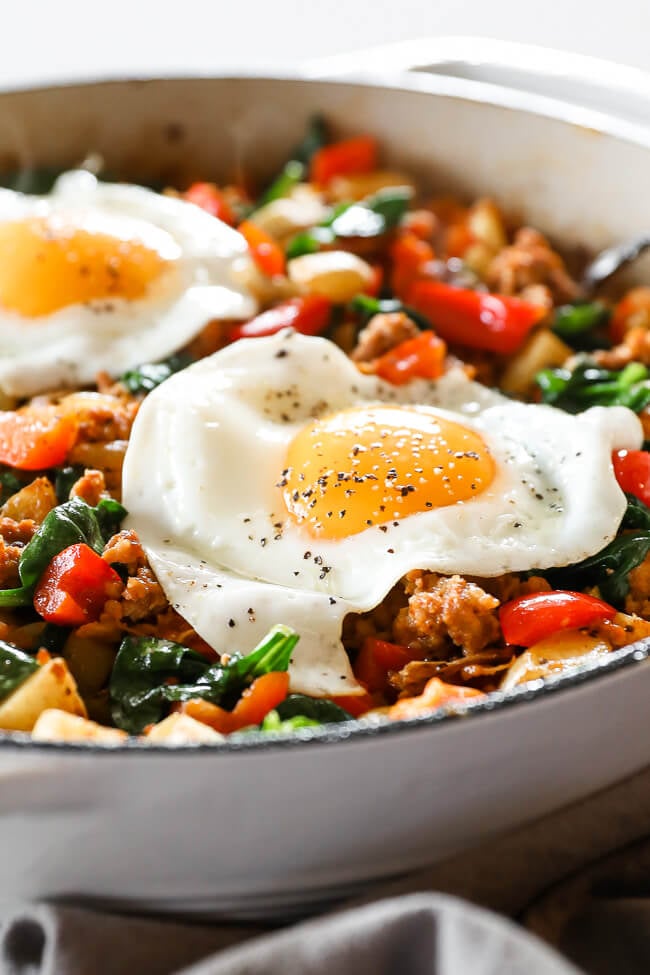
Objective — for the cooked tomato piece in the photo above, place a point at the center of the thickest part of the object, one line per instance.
(211, 199)
(36, 438)
(265, 251)
(527, 620)
(309, 315)
(75, 586)
(476, 319)
(357, 155)
(422, 357)
(262, 696)
(632, 470)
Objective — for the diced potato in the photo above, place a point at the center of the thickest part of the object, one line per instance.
(541, 350)
(287, 216)
(356, 186)
(51, 686)
(33, 501)
(478, 258)
(336, 275)
(56, 725)
(486, 224)
(180, 729)
(554, 655)
(268, 291)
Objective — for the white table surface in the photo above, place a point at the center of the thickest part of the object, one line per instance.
(51, 39)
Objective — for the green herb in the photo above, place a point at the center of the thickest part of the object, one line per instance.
(9, 484)
(273, 722)
(371, 217)
(319, 709)
(572, 320)
(366, 307)
(608, 569)
(315, 138)
(68, 524)
(146, 377)
(309, 242)
(390, 203)
(292, 174)
(589, 385)
(64, 479)
(15, 667)
(139, 688)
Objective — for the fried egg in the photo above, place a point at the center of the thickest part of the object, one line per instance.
(103, 277)
(272, 482)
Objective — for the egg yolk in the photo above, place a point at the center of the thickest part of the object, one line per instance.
(45, 266)
(363, 467)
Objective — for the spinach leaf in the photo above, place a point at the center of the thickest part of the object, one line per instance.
(315, 138)
(366, 307)
(64, 478)
(609, 569)
(319, 709)
(273, 722)
(589, 385)
(139, 686)
(53, 638)
(15, 667)
(68, 524)
(293, 173)
(146, 377)
(371, 217)
(637, 514)
(9, 484)
(109, 514)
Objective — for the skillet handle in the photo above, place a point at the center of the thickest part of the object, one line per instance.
(578, 80)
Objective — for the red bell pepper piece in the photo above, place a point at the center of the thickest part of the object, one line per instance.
(211, 199)
(529, 619)
(474, 318)
(420, 357)
(355, 704)
(36, 438)
(376, 659)
(358, 155)
(409, 255)
(75, 586)
(309, 315)
(436, 693)
(265, 251)
(632, 470)
(262, 696)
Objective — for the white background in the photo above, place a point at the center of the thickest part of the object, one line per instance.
(51, 39)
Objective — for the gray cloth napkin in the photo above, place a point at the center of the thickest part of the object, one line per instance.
(579, 879)
(422, 934)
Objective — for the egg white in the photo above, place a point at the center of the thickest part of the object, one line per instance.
(70, 346)
(201, 475)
